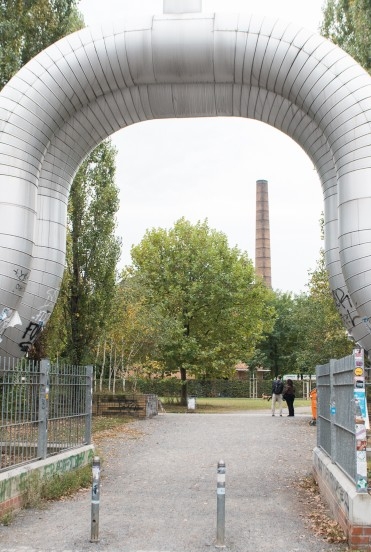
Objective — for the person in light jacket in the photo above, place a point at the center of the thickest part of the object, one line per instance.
(277, 389)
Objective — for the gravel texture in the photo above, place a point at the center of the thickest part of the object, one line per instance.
(158, 490)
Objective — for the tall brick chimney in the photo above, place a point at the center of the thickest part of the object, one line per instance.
(262, 233)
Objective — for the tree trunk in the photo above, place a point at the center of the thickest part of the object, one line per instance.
(103, 366)
(123, 372)
(110, 367)
(184, 394)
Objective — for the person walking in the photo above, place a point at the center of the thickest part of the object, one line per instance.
(289, 396)
(277, 389)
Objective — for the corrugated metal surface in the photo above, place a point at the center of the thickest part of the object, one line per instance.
(97, 81)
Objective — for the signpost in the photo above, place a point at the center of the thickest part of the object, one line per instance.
(361, 419)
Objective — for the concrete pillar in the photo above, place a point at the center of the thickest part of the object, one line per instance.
(262, 233)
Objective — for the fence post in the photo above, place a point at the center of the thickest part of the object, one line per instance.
(88, 403)
(42, 442)
(333, 411)
(95, 499)
(220, 513)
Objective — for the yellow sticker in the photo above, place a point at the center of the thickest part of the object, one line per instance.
(358, 371)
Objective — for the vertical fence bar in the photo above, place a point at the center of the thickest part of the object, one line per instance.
(88, 403)
(95, 499)
(333, 411)
(220, 512)
(42, 443)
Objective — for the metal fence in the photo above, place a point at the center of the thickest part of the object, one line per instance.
(252, 388)
(45, 409)
(336, 413)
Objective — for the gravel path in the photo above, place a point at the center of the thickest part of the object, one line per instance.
(158, 491)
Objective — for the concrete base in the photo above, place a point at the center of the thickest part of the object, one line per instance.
(350, 509)
(14, 481)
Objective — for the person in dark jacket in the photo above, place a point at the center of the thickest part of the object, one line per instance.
(289, 396)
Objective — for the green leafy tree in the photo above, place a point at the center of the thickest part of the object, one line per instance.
(27, 27)
(215, 308)
(277, 350)
(86, 298)
(135, 329)
(94, 251)
(321, 334)
(347, 23)
(308, 329)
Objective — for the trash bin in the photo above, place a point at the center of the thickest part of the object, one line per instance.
(191, 403)
(313, 397)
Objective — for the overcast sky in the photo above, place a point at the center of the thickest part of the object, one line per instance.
(207, 168)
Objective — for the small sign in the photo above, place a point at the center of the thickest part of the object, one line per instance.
(358, 371)
(191, 403)
(360, 397)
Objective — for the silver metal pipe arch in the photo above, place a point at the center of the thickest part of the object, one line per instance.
(94, 82)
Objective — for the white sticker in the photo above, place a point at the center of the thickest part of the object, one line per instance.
(220, 491)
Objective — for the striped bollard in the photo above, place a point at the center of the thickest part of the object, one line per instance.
(220, 512)
(95, 497)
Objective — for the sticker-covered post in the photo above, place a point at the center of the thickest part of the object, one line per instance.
(361, 419)
(220, 512)
(95, 499)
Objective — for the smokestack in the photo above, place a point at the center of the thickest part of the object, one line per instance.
(262, 234)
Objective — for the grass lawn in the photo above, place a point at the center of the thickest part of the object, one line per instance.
(209, 405)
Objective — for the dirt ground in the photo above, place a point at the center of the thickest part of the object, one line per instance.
(158, 490)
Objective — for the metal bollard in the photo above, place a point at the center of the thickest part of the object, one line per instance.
(220, 512)
(95, 494)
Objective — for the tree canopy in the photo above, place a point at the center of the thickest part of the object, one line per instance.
(277, 349)
(308, 329)
(87, 295)
(321, 333)
(347, 23)
(215, 306)
(27, 27)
